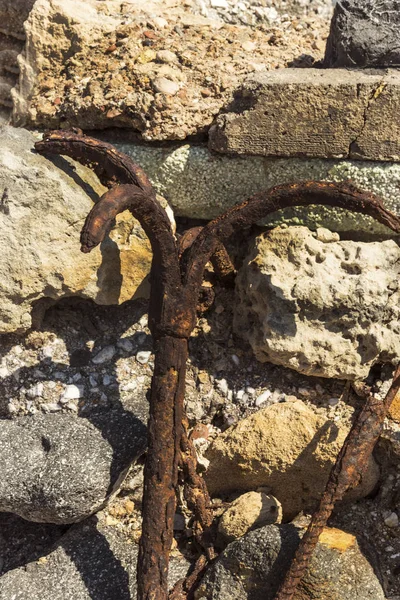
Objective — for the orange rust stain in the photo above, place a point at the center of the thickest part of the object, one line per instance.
(337, 539)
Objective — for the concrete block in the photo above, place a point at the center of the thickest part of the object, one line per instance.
(324, 113)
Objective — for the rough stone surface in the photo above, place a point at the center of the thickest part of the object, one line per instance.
(12, 16)
(286, 448)
(249, 511)
(22, 541)
(95, 65)
(202, 185)
(252, 568)
(13, 13)
(364, 33)
(42, 209)
(92, 561)
(313, 113)
(328, 309)
(61, 469)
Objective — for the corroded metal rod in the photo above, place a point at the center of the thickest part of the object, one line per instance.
(176, 278)
(347, 472)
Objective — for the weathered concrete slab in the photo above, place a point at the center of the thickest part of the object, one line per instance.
(314, 113)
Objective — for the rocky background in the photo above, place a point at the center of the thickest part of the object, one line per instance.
(268, 395)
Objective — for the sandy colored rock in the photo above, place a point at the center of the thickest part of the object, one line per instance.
(252, 568)
(314, 113)
(285, 447)
(96, 65)
(43, 207)
(249, 511)
(328, 309)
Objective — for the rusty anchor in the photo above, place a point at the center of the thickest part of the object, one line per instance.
(176, 279)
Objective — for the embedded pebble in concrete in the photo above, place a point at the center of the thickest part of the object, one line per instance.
(72, 392)
(105, 355)
(143, 356)
(223, 181)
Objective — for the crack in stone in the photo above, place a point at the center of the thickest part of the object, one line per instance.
(372, 98)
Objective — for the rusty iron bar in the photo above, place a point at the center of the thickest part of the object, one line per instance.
(176, 279)
(347, 472)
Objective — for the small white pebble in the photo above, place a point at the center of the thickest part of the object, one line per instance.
(160, 22)
(129, 387)
(235, 359)
(143, 321)
(166, 86)
(219, 4)
(4, 372)
(72, 406)
(47, 352)
(250, 390)
(392, 520)
(104, 355)
(263, 397)
(36, 391)
(166, 56)
(17, 350)
(143, 356)
(239, 394)
(222, 385)
(52, 407)
(71, 392)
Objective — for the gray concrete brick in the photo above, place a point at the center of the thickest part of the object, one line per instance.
(325, 113)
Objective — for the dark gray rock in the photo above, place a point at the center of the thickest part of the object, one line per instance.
(60, 468)
(364, 33)
(90, 562)
(252, 568)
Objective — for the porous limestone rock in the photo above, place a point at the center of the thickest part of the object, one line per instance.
(364, 33)
(58, 468)
(92, 560)
(286, 448)
(252, 568)
(43, 205)
(323, 308)
(249, 511)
